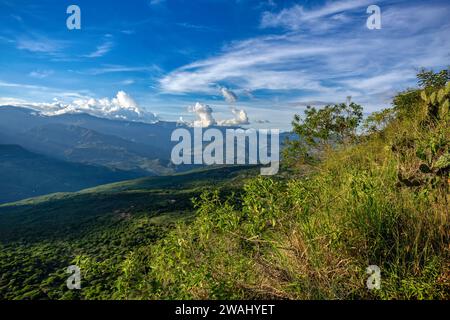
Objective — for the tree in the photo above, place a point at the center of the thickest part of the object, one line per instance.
(323, 128)
(377, 121)
(431, 79)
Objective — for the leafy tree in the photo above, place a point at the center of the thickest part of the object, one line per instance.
(321, 129)
(378, 121)
(429, 78)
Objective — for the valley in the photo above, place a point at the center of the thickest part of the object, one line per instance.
(41, 237)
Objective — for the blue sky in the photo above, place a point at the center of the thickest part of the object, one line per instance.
(274, 57)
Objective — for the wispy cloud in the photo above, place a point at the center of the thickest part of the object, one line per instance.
(121, 69)
(156, 2)
(22, 86)
(299, 17)
(127, 82)
(40, 74)
(196, 26)
(350, 61)
(44, 91)
(101, 50)
(263, 63)
(40, 44)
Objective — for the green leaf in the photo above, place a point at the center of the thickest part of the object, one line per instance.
(441, 95)
(424, 97)
(443, 162)
(433, 97)
(444, 109)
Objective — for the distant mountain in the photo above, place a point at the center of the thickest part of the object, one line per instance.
(77, 144)
(117, 150)
(83, 138)
(26, 174)
(87, 139)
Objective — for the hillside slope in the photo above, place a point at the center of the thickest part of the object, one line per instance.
(40, 237)
(25, 174)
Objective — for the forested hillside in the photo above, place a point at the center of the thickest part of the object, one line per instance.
(41, 237)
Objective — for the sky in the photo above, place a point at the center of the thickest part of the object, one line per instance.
(226, 62)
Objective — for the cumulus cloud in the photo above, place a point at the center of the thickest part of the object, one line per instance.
(121, 107)
(240, 118)
(204, 115)
(206, 119)
(228, 95)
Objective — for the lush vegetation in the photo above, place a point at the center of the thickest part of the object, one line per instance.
(41, 237)
(353, 193)
(379, 197)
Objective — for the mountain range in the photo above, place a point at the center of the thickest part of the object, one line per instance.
(42, 154)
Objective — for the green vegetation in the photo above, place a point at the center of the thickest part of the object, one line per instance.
(377, 198)
(25, 174)
(353, 193)
(41, 237)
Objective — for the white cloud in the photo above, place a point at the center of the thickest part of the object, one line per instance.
(228, 95)
(40, 44)
(121, 107)
(204, 115)
(380, 83)
(298, 17)
(9, 101)
(262, 63)
(240, 118)
(101, 50)
(127, 82)
(206, 119)
(156, 2)
(352, 61)
(22, 86)
(120, 69)
(40, 74)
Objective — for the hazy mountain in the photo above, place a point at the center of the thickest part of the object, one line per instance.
(26, 174)
(141, 149)
(84, 138)
(87, 139)
(77, 144)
